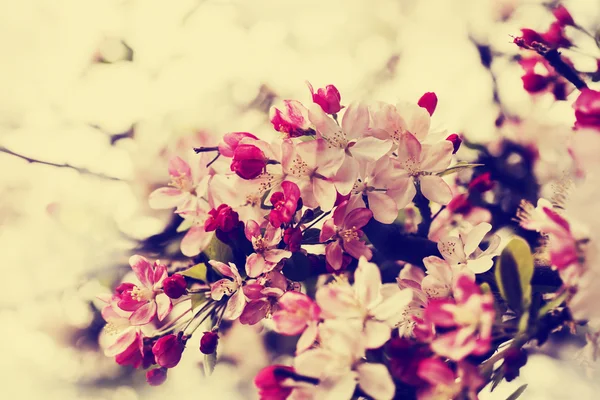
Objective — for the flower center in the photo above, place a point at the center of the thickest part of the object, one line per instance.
(349, 235)
(412, 166)
(181, 182)
(299, 168)
(260, 244)
(252, 200)
(141, 294)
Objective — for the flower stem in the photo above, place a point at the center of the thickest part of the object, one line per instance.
(319, 218)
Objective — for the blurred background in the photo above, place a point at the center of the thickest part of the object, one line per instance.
(98, 94)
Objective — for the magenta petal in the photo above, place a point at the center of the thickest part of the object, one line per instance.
(144, 314)
(121, 342)
(358, 218)
(142, 269)
(164, 306)
(254, 312)
(358, 248)
(333, 254)
(436, 372)
(327, 231)
(252, 230)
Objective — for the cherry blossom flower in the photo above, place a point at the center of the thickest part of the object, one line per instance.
(223, 218)
(338, 366)
(386, 188)
(284, 204)
(344, 230)
(231, 141)
(248, 161)
(228, 287)
(196, 238)
(350, 140)
(312, 166)
(410, 278)
(185, 185)
(266, 255)
(464, 251)
(273, 383)
(263, 294)
(156, 376)
(421, 163)
(443, 383)
(168, 350)
(441, 277)
(471, 314)
(389, 121)
(365, 302)
(146, 300)
(297, 314)
(328, 99)
(122, 339)
(293, 121)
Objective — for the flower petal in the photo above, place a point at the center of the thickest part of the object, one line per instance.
(376, 334)
(195, 240)
(164, 306)
(367, 282)
(167, 197)
(255, 265)
(475, 236)
(142, 269)
(435, 189)
(235, 306)
(144, 314)
(325, 193)
(375, 380)
(384, 208)
(333, 254)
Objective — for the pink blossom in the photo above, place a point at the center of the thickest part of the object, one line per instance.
(587, 109)
(271, 382)
(563, 16)
(429, 102)
(147, 299)
(284, 204)
(156, 376)
(249, 161)
(312, 166)
(344, 230)
(263, 294)
(444, 383)
(196, 238)
(293, 121)
(410, 278)
(328, 98)
(297, 314)
(185, 185)
(351, 141)
(175, 286)
(228, 287)
(386, 188)
(389, 121)
(338, 365)
(365, 302)
(421, 163)
(168, 350)
(231, 141)
(122, 339)
(464, 250)
(222, 218)
(441, 277)
(266, 255)
(471, 314)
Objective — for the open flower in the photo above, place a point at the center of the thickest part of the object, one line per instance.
(469, 317)
(196, 238)
(422, 162)
(263, 294)
(231, 141)
(297, 314)
(121, 339)
(393, 122)
(228, 287)
(344, 230)
(444, 383)
(312, 166)
(266, 255)
(464, 251)
(284, 204)
(147, 299)
(293, 121)
(185, 185)
(365, 302)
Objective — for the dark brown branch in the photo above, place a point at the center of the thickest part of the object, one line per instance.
(84, 171)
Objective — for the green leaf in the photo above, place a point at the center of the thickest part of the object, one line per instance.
(210, 361)
(517, 393)
(514, 270)
(485, 287)
(197, 300)
(198, 272)
(458, 167)
(297, 267)
(219, 251)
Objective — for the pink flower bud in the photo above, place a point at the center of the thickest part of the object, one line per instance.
(223, 218)
(563, 16)
(328, 98)
(429, 102)
(167, 351)
(231, 141)
(156, 377)
(587, 109)
(460, 204)
(209, 342)
(456, 142)
(175, 286)
(293, 238)
(248, 161)
(482, 183)
(269, 382)
(535, 83)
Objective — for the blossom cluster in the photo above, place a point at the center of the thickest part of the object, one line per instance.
(309, 213)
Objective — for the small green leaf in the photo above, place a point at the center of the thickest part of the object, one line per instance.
(198, 272)
(458, 167)
(219, 251)
(517, 393)
(514, 270)
(197, 300)
(485, 287)
(210, 361)
(297, 267)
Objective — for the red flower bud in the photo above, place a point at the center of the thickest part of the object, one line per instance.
(231, 141)
(456, 142)
(167, 351)
(223, 218)
(248, 161)
(328, 98)
(175, 286)
(209, 342)
(482, 183)
(535, 83)
(563, 16)
(156, 377)
(587, 109)
(460, 204)
(293, 238)
(269, 382)
(513, 361)
(429, 102)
